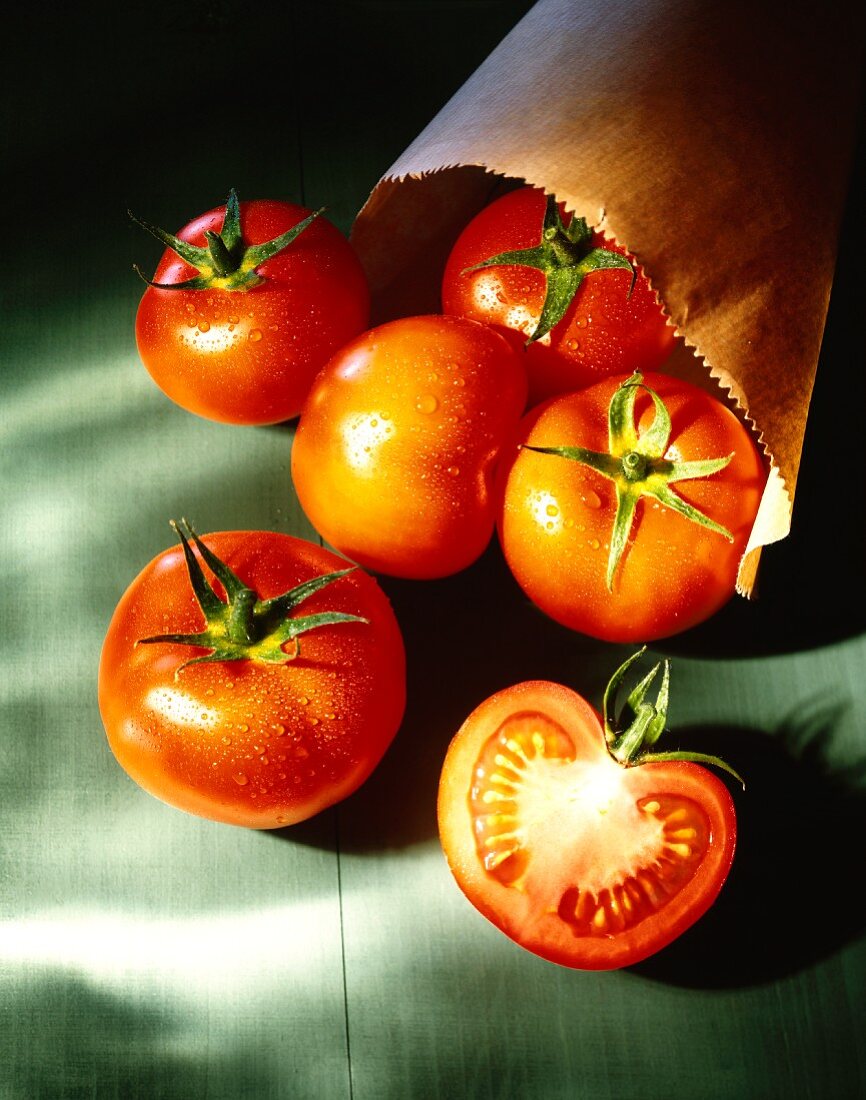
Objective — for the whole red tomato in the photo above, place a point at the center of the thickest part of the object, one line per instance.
(626, 507)
(585, 308)
(571, 837)
(255, 684)
(248, 302)
(393, 458)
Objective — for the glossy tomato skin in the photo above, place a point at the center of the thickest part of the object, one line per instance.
(556, 517)
(250, 356)
(240, 742)
(393, 459)
(578, 859)
(605, 330)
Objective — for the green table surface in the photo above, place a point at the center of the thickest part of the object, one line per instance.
(145, 953)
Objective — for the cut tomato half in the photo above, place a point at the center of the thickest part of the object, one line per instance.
(577, 857)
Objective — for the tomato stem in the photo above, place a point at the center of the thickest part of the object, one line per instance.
(565, 256)
(244, 627)
(226, 263)
(637, 466)
(640, 723)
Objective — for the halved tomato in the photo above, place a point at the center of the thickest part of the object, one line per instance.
(578, 857)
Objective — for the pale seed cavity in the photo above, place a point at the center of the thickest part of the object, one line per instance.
(685, 837)
(499, 773)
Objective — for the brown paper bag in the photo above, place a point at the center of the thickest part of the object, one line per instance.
(713, 140)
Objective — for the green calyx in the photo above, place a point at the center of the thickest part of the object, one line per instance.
(244, 627)
(637, 466)
(566, 257)
(226, 263)
(640, 723)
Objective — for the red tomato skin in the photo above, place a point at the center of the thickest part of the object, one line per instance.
(556, 517)
(604, 331)
(393, 459)
(240, 742)
(250, 356)
(529, 913)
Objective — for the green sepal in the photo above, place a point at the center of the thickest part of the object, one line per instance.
(641, 723)
(226, 263)
(243, 627)
(564, 256)
(637, 467)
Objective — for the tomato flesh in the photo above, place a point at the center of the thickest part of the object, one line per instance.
(578, 859)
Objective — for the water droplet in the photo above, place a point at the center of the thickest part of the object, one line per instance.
(432, 376)
(304, 701)
(233, 320)
(279, 728)
(314, 721)
(264, 760)
(240, 779)
(385, 415)
(552, 510)
(243, 727)
(258, 748)
(203, 326)
(461, 382)
(591, 499)
(549, 525)
(230, 684)
(573, 345)
(426, 403)
(255, 335)
(281, 818)
(500, 297)
(594, 543)
(453, 471)
(208, 691)
(227, 740)
(190, 308)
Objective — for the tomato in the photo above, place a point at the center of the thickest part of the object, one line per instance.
(242, 344)
(251, 713)
(603, 324)
(585, 859)
(634, 527)
(393, 458)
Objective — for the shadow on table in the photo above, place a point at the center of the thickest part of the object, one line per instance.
(790, 899)
(466, 637)
(66, 1037)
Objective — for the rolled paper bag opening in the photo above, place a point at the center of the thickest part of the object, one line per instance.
(713, 141)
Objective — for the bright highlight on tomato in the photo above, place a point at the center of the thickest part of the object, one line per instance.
(393, 459)
(251, 678)
(627, 507)
(571, 836)
(248, 302)
(579, 303)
